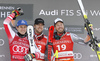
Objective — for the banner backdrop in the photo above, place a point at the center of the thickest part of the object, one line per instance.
(49, 10)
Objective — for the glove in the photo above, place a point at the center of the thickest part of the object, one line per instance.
(37, 55)
(28, 57)
(18, 12)
(89, 24)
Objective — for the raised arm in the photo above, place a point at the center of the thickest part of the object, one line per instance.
(10, 33)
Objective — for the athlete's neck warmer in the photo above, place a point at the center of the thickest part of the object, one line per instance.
(39, 37)
(22, 36)
(57, 37)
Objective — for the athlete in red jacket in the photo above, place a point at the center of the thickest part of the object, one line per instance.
(63, 41)
(18, 43)
(39, 38)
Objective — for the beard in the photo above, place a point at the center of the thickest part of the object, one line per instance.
(60, 31)
(39, 32)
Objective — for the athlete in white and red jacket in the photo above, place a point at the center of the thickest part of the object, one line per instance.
(18, 42)
(39, 38)
(64, 41)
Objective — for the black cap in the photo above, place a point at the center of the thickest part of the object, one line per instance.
(39, 20)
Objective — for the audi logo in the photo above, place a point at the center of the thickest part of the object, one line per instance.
(77, 55)
(20, 49)
(1, 42)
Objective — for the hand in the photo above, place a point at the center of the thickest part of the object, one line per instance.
(28, 57)
(89, 24)
(18, 12)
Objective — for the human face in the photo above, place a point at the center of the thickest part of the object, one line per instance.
(22, 29)
(59, 26)
(38, 28)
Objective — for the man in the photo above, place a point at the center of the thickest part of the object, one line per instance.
(39, 38)
(63, 41)
(18, 42)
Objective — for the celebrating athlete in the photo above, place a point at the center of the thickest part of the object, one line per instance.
(63, 41)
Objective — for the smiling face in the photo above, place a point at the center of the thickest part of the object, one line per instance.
(38, 28)
(22, 29)
(59, 26)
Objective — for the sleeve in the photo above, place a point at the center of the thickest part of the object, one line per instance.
(77, 39)
(10, 33)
